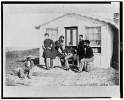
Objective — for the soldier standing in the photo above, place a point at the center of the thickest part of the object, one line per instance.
(80, 50)
(47, 54)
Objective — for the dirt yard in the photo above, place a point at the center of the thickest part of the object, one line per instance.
(56, 76)
(59, 77)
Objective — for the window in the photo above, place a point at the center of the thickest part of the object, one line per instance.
(93, 34)
(53, 33)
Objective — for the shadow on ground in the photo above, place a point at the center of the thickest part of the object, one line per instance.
(73, 68)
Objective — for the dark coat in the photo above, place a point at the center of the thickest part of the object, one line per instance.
(48, 52)
(89, 52)
(54, 52)
(58, 45)
(80, 49)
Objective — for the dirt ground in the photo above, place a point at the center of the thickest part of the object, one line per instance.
(56, 76)
(59, 77)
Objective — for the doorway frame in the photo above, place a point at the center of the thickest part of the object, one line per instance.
(71, 27)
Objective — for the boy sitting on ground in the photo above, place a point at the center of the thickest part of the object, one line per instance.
(27, 69)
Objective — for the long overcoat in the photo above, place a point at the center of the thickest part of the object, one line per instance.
(48, 51)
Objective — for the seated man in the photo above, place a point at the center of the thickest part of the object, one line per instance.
(69, 53)
(88, 56)
(60, 50)
(27, 69)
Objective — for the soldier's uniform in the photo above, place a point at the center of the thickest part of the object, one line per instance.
(87, 56)
(48, 53)
(80, 50)
(60, 50)
(57, 47)
(69, 54)
(48, 43)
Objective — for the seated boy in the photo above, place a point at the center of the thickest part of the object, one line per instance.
(27, 69)
(88, 56)
(69, 53)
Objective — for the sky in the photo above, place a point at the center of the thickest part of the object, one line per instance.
(20, 19)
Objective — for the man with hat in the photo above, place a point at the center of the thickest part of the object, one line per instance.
(27, 69)
(87, 57)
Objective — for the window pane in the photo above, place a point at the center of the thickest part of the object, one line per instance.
(94, 35)
(99, 29)
(90, 30)
(74, 37)
(87, 36)
(53, 33)
(47, 30)
(68, 37)
(50, 33)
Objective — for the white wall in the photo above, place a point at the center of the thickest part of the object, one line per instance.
(104, 46)
(101, 60)
(110, 44)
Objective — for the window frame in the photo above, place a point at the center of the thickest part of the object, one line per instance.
(96, 48)
(47, 31)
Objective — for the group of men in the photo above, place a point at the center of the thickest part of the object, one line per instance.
(83, 55)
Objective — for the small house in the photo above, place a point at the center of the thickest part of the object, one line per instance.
(102, 33)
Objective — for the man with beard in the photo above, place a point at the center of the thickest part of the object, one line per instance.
(59, 47)
(87, 57)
